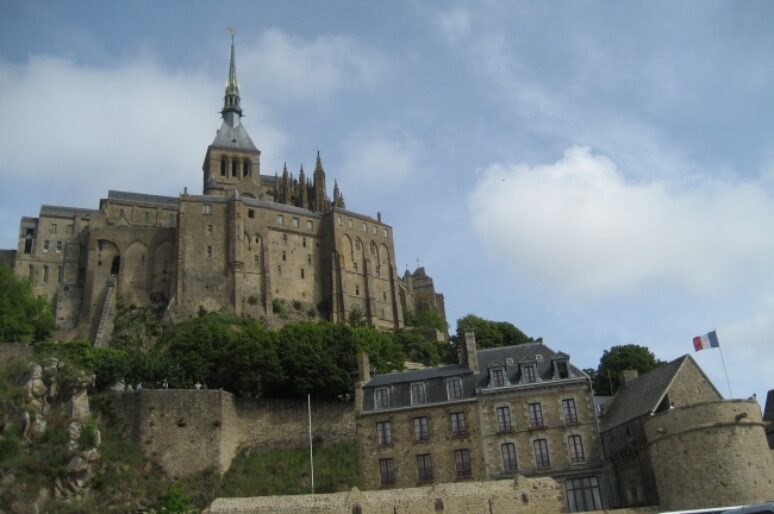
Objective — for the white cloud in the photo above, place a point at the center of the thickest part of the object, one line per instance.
(284, 68)
(455, 24)
(378, 158)
(580, 226)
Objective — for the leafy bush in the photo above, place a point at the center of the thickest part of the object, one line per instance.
(24, 318)
(297, 305)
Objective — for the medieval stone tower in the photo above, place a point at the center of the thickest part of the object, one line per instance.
(271, 247)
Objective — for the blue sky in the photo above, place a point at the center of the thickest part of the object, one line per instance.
(596, 173)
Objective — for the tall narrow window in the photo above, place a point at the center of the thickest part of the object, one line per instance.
(234, 165)
(462, 462)
(302, 272)
(28, 238)
(246, 168)
(542, 460)
(60, 274)
(280, 219)
(508, 453)
(309, 225)
(535, 411)
(284, 256)
(251, 213)
(387, 471)
(357, 290)
(424, 467)
(504, 419)
(528, 374)
(209, 251)
(575, 449)
(453, 386)
(381, 398)
(309, 259)
(45, 273)
(498, 377)
(417, 393)
(223, 167)
(458, 428)
(59, 247)
(568, 411)
(45, 245)
(32, 272)
(53, 228)
(383, 433)
(421, 432)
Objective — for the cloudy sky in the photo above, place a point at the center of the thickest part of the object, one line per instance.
(595, 173)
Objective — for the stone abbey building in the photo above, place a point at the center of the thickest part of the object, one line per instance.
(262, 246)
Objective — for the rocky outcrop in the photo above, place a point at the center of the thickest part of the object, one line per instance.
(52, 392)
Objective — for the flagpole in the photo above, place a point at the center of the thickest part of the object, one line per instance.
(311, 454)
(722, 360)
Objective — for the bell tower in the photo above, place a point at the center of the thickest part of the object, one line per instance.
(232, 160)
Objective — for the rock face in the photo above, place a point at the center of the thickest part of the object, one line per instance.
(51, 388)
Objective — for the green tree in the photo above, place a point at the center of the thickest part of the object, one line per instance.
(619, 358)
(24, 317)
(489, 334)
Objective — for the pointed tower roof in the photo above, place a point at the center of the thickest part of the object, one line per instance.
(232, 134)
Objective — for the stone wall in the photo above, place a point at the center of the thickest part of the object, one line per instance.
(712, 453)
(523, 495)
(189, 430)
(11, 351)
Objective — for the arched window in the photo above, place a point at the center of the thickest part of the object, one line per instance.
(223, 167)
(246, 168)
(372, 248)
(234, 167)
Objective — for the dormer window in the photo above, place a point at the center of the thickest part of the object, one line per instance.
(528, 374)
(381, 398)
(497, 377)
(418, 393)
(561, 365)
(454, 389)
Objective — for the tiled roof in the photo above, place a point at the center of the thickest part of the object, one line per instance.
(642, 395)
(61, 212)
(233, 138)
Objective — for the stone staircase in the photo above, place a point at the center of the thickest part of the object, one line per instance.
(105, 326)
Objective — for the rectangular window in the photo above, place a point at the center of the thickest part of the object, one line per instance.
(59, 247)
(349, 222)
(381, 398)
(284, 256)
(508, 453)
(498, 378)
(209, 251)
(453, 385)
(309, 225)
(542, 459)
(53, 228)
(302, 272)
(575, 448)
(209, 229)
(295, 222)
(387, 471)
(45, 273)
(280, 219)
(365, 227)
(45, 245)
(309, 259)
(383, 433)
(417, 393)
(462, 462)
(338, 220)
(207, 208)
(425, 467)
(535, 415)
(69, 229)
(251, 213)
(568, 411)
(28, 237)
(529, 374)
(583, 494)
(504, 419)
(458, 428)
(421, 432)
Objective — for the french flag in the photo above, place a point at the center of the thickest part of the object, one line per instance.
(706, 341)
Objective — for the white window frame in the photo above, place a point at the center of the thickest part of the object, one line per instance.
(420, 386)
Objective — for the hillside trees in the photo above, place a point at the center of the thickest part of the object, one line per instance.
(607, 378)
(24, 318)
(489, 334)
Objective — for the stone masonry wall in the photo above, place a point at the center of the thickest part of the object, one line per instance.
(712, 453)
(523, 495)
(188, 430)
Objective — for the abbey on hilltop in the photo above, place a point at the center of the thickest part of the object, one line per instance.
(274, 246)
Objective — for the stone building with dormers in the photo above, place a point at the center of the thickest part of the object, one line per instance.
(498, 412)
(272, 246)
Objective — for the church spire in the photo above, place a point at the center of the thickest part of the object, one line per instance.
(231, 107)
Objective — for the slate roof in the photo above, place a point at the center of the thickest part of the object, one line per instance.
(642, 395)
(435, 378)
(61, 212)
(233, 136)
(143, 198)
(768, 411)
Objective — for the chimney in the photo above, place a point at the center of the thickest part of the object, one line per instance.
(363, 376)
(467, 351)
(628, 375)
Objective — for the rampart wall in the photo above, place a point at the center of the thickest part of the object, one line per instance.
(189, 430)
(523, 495)
(711, 453)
